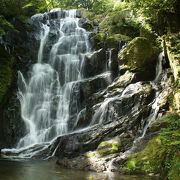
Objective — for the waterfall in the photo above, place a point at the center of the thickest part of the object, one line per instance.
(50, 93)
(46, 96)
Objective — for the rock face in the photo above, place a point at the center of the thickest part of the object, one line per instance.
(6, 73)
(10, 120)
(171, 46)
(85, 23)
(25, 52)
(18, 52)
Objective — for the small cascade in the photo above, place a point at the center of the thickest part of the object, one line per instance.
(44, 37)
(159, 68)
(100, 114)
(155, 106)
(109, 59)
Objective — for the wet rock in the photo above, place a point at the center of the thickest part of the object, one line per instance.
(113, 65)
(94, 63)
(81, 92)
(123, 116)
(98, 40)
(78, 13)
(123, 81)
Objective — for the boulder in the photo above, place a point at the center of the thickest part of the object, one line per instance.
(140, 56)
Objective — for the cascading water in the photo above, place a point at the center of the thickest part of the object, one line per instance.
(47, 95)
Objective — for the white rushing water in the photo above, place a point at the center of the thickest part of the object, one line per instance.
(46, 95)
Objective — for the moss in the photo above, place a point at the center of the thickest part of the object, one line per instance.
(92, 154)
(101, 40)
(6, 72)
(174, 172)
(106, 148)
(161, 155)
(176, 99)
(112, 42)
(147, 161)
(173, 46)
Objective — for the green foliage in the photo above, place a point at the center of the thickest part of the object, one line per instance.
(5, 25)
(21, 9)
(98, 6)
(120, 22)
(161, 14)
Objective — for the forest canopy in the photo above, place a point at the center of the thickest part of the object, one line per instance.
(158, 12)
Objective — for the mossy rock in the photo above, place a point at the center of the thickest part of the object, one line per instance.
(108, 147)
(91, 154)
(138, 53)
(112, 42)
(147, 161)
(161, 155)
(101, 40)
(98, 40)
(140, 56)
(6, 72)
(176, 100)
(121, 37)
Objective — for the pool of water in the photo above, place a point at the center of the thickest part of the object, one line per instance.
(48, 170)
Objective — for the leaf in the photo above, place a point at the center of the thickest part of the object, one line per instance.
(28, 5)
